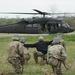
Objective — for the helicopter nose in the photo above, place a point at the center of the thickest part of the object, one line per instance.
(72, 29)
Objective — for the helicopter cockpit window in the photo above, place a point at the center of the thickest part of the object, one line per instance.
(64, 24)
(67, 25)
(29, 25)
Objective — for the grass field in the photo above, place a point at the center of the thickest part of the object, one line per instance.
(36, 69)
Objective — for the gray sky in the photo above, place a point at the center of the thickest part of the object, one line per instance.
(43, 5)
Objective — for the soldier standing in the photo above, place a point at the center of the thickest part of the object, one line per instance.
(16, 54)
(56, 55)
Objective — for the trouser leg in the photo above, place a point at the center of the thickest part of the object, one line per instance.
(45, 58)
(54, 70)
(16, 64)
(35, 57)
(39, 54)
(26, 58)
(59, 71)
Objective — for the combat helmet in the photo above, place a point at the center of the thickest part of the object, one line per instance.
(59, 35)
(56, 40)
(22, 40)
(15, 37)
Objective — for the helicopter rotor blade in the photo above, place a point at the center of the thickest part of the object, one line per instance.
(34, 13)
(40, 12)
(45, 13)
(18, 13)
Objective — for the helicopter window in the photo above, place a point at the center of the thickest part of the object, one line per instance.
(29, 25)
(56, 26)
(67, 25)
(52, 27)
(59, 25)
(35, 25)
(64, 24)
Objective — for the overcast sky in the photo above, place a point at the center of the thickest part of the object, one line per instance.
(43, 5)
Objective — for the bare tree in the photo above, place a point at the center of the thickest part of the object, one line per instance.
(53, 10)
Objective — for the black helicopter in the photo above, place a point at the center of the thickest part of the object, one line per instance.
(36, 25)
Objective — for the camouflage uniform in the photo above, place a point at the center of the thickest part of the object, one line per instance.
(26, 52)
(62, 42)
(56, 54)
(16, 53)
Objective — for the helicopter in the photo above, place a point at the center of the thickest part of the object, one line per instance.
(37, 25)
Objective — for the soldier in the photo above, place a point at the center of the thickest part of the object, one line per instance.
(56, 55)
(26, 53)
(62, 42)
(16, 54)
(42, 47)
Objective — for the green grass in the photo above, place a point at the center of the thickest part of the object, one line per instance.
(36, 69)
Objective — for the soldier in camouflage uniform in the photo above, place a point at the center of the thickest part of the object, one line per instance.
(26, 53)
(16, 54)
(56, 54)
(62, 42)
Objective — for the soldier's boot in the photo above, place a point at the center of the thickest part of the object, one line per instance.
(54, 70)
(36, 57)
(59, 72)
(18, 69)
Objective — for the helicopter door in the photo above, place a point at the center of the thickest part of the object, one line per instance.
(53, 27)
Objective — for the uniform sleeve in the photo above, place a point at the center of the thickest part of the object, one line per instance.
(49, 42)
(21, 49)
(63, 43)
(63, 52)
(30, 45)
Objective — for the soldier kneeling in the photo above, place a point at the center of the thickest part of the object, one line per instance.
(26, 52)
(15, 54)
(56, 55)
(39, 54)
